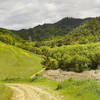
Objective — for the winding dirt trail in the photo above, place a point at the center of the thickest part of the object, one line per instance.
(30, 92)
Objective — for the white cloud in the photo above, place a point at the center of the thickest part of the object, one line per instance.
(51, 6)
(17, 14)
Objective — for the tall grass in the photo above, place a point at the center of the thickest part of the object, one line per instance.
(81, 89)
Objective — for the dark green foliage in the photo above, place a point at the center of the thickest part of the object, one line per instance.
(50, 31)
(59, 86)
(87, 32)
(34, 78)
(73, 57)
(51, 63)
(9, 37)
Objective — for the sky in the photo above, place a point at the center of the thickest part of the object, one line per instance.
(19, 14)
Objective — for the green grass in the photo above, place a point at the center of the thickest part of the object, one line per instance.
(5, 92)
(81, 90)
(73, 89)
(17, 63)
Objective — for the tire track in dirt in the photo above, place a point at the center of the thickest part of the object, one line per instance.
(30, 92)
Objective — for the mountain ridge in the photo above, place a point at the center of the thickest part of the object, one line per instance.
(59, 28)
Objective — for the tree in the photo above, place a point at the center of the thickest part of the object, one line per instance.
(51, 63)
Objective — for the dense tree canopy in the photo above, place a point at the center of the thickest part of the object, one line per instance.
(73, 57)
(9, 37)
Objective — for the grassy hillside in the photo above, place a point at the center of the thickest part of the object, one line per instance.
(17, 63)
(5, 92)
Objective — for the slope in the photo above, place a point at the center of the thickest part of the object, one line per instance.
(17, 63)
(85, 33)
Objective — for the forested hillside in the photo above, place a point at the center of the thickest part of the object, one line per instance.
(87, 32)
(65, 32)
(50, 31)
(66, 52)
(9, 37)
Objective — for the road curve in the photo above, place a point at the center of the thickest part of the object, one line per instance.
(30, 92)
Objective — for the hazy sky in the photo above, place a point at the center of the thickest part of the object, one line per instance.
(17, 14)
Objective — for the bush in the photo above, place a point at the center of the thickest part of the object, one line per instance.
(59, 86)
(79, 63)
(7, 39)
(51, 63)
(73, 57)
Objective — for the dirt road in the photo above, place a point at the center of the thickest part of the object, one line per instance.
(30, 92)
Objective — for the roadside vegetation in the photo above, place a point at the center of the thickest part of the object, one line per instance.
(68, 89)
(81, 90)
(5, 92)
(72, 89)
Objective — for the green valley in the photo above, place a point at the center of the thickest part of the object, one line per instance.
(71, 45)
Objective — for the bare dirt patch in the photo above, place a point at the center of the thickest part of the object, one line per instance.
(59, 75)
(30, 92)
